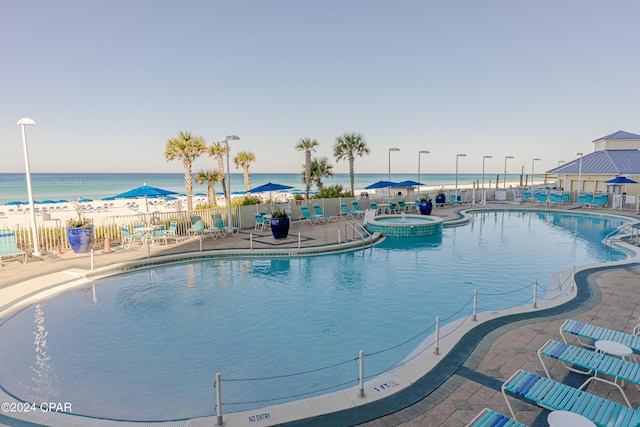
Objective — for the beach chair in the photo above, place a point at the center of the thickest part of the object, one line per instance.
(402, 206)
(9, 247)
(345, 211)
(262, 221)
(309, 217)
(172, 232)
(224, 230)
(356, 208)
(128, 238)
(159, 235)
(583, 361)
(490, 418)
(200, 230)
(594, 333)
(318, 211)
(556, 396)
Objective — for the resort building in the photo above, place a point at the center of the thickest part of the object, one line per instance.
(614, 155)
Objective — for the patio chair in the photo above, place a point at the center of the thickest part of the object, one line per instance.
(490, 418)
(392, 208)
(402, 206)
(374, 206)
(345, 211)
(9, 246)
(223, 230)
(309, 217)
(356, 208)
(159, 234)
(262, 221)
(556, 396)
(594, 333)
(318, 211)
(200, 230)
(128, 238)
(172, 232)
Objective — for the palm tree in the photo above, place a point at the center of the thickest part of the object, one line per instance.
(348, 146)
(210, 177)
(219, 149)
(244, 158)
(319, 168)
(307, 145)
(186, 147)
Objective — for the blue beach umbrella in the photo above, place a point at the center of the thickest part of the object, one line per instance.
(408, 183)
(145, 191)
(270, 186)
(48, 202)
(84, 200)
(14, 203)
(621, 180)
(381, 184)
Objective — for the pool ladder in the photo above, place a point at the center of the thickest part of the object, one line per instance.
(357, 228)
(621, 232)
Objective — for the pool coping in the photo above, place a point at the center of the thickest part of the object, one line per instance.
(460, 344)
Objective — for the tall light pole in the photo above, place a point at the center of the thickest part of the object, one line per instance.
(484, 198)
(457, 157)
(420, 153)
(34, 229)
(226, 147)
(579, 173)
(504, 184)
(533, 162)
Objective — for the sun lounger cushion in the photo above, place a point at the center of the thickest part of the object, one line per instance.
(491, 418)
(595, 333)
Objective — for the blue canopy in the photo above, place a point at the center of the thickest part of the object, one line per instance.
(145, 191)
(269, 186)
(621, 180)
(15, 202)
(381, 184)
(84, 200)
(408, 183)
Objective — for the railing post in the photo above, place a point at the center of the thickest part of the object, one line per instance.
(299, 240)
(219, 398)
(361, 394)
(250, 240)
(573, 279)
(535, 293)
(91, 259)
(339, 237)
(475, 305)
(200, 239)
(437, 351)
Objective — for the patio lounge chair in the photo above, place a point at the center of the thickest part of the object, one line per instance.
(172, 232)
(199, 229)
(595, 333)
(556, 396)
(591, 361)
(262, 221)
(490, 418)
(356, 208)
(9, 246)
(128, 238)
(318, 211)
(224, 230)
(309, 217)
(345, 211)
(159, 235)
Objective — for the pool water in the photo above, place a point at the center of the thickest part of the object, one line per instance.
(146, 345)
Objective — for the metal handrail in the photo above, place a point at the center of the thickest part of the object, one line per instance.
(352, 226)
(618, 231)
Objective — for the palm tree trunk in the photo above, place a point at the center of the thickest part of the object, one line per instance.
(352, 175)
(188, 182)
(308, 173)
(224, 179)
(247, 179)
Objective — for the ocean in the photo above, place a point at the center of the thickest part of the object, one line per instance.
(95, 186)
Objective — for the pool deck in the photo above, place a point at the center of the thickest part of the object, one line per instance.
(490, 355)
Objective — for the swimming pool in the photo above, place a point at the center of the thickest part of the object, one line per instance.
(146, 345)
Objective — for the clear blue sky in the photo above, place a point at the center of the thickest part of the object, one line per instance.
(108, 82)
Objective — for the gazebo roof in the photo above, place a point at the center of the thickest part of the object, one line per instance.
(604, 162)
(618, 135)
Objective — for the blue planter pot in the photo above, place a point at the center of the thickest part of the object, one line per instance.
(280, 227)
(81, 239)
(426, 208)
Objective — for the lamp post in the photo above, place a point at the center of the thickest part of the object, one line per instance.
(484, 198)
(533, 162)
(579, 173)
(34, 229)
(457, 157)
(420, 153)
(504, 184)
(226, 144)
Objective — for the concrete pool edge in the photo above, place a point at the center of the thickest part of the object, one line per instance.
(83, 276)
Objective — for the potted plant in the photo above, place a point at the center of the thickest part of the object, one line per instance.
(80, 233)
(425, 205)
(440, 198)
(279, 222)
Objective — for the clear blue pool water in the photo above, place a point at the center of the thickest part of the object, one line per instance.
(146, 345)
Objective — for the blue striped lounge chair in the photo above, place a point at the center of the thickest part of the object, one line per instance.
(583, 361)
(345, 211)
(556, 396)
(223, 230)
(594, 333)
(356, 208)
(309, 217)
(490, 418)
(318, 211)
(9, 246)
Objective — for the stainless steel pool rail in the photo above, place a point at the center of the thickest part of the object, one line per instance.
(356, 228)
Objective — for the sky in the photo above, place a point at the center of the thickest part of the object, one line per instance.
(109, 82)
